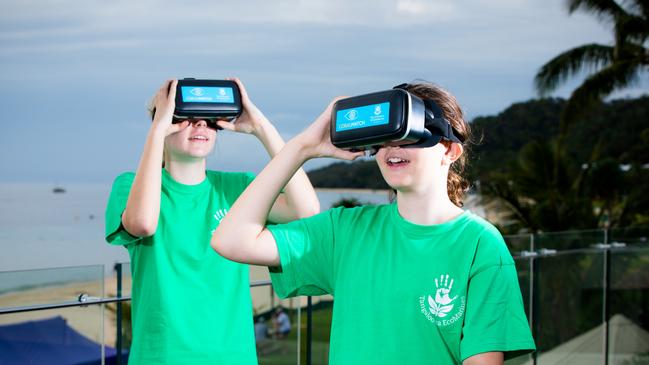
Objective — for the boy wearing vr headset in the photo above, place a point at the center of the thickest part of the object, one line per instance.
(418, 281)
(190, 305)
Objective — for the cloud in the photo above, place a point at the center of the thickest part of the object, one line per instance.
(94, 63)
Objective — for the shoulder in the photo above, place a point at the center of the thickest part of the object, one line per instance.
(339, 217)
(363, 212)
(491, 247)
(227, 177)
(125, 178)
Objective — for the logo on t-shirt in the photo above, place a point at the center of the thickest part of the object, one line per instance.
(443, 308)
(218, 216)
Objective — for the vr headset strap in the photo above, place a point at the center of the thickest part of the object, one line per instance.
(437, 126)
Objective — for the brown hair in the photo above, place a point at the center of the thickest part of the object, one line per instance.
(457, 185)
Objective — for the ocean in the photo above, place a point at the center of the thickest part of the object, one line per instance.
(40, 229)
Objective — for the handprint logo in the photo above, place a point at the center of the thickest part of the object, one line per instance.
(442, 304)
(218, 216)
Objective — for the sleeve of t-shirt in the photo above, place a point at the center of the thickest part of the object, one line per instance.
(116, 234)
(306, 251)
(495, 317)
(247, 177)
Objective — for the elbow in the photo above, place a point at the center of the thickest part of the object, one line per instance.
(312, 210)
(220, 245)
(140, 228)
(215, 242)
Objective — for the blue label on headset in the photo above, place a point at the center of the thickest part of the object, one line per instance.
(205, 94)
(362, 117)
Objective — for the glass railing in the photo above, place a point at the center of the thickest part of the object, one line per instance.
(79, 312)
(586, 294)
(43, 319)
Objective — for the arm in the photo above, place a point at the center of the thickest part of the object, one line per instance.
(299, 199)
(487, 358)
(241, 236)
(140, 218)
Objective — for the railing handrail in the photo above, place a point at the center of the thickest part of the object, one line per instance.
(89, 301)
(554, 252)
(72, 303)
(55, 268)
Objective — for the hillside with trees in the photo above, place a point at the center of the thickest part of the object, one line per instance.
(599, 179)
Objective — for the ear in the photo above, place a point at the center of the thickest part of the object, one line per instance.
(453, 152)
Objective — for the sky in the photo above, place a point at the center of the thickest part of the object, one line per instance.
(75, 74)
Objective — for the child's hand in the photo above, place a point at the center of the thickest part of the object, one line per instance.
(164, 103)
(251, 120)
(316, 139)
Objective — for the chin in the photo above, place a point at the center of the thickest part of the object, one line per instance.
(396, 180)
(400, 184)
(198, 151)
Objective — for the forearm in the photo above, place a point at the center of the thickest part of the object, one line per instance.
(486, 358)
(140, 217)
(301, 198)
(240, 236)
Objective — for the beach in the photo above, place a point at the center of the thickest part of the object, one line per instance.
(99, 324)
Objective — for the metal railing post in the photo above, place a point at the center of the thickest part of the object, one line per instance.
(299, 331)
(532, 292)
(531, 283)
(118, 342)
(309, 329)
(606, 291)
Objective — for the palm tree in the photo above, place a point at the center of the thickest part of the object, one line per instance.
(616, 66)
(534, 198)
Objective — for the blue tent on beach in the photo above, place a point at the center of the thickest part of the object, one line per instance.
(50, 341)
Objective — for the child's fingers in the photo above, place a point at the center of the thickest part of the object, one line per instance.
(172, 91)
(175, 128)
(348, 155)
(242, 89)
(226, 125)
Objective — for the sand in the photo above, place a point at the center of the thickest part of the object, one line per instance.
(97, 322)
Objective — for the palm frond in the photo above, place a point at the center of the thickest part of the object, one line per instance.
(591, 91)
(639, 7)
(607, 10)
(506, 194)
(569, 63)
(632, 28)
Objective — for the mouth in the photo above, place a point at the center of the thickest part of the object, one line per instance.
(198, 138)
(396, 161)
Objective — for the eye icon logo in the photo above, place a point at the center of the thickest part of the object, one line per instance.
(351, 115)
(377, 110)
(197, 91)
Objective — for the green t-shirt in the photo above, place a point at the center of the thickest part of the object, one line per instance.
(189, 305)
(405, 293)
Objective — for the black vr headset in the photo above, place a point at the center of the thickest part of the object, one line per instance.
(209, 100)
(393, 117)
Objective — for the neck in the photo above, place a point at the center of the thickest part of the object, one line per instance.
(186, 172)
(427, 206)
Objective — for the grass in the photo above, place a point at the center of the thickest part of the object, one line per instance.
(281, 352)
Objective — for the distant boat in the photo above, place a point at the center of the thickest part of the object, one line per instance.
(58, 190)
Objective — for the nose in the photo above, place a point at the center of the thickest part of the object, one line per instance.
(391, 146)
(199, 123)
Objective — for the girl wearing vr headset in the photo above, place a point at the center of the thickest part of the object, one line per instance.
(190, 305)
(418, 281)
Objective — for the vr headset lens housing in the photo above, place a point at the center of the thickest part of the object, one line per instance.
(374, 119)
(392, 117)
(210, 100)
